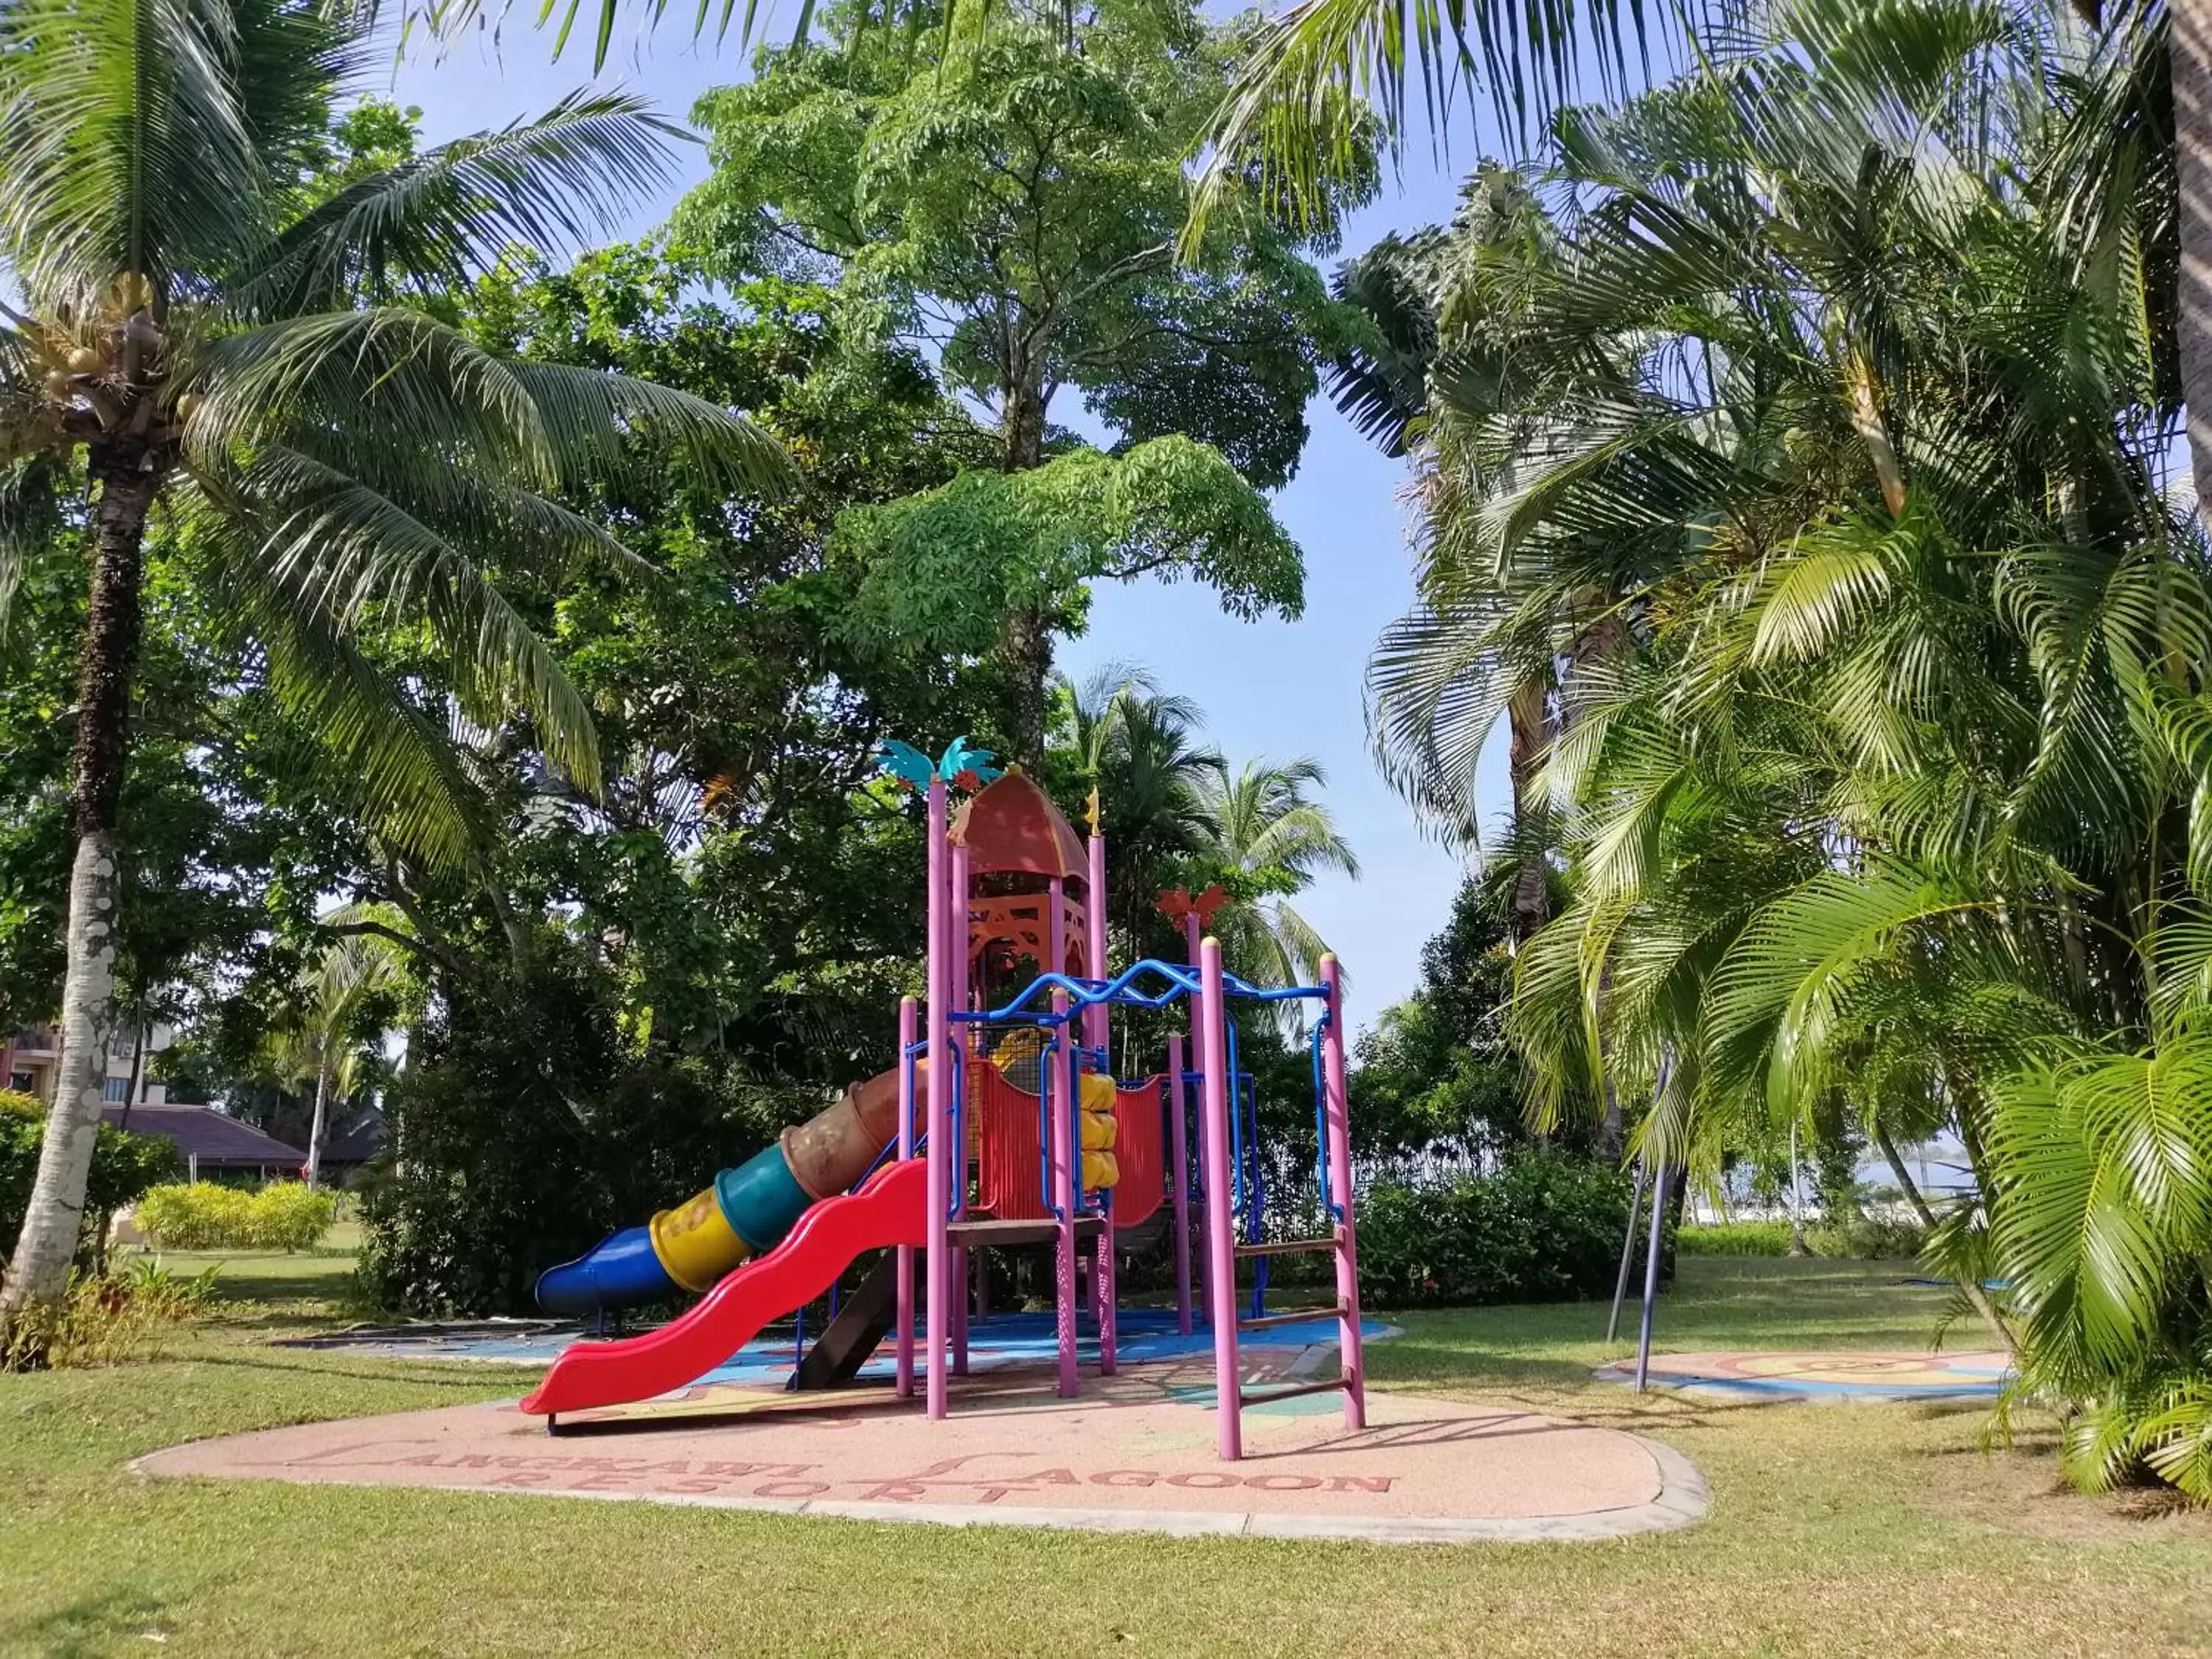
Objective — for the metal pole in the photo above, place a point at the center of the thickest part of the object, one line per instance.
(957, 962)
(1220, 1239)
(1055, 930)
(909, 1029)
(1197, 1064)
(1064, 1154)
(1179, 1153)
(941, 1151)
(1337, 1112)
(1797, 1195)
(1651, 1276)
(1627, 1252)
(1094, 1017)
(963, 966)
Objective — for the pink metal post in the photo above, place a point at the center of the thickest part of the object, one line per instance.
(1191, 954)
(941, 1150)
(1340, 1189)
(1220, 1244)
(1179, 1159)
(1095, 1032)
(1055, 929)
(1094, 905)
(909, 1032)
(963, 998)
(1064, 1156)
(964, 978)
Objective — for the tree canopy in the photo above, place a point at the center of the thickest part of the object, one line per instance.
(1006, 194)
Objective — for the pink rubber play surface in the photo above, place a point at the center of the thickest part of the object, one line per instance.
(1134, 1452)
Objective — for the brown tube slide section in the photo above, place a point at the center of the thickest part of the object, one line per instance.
(832, 1150)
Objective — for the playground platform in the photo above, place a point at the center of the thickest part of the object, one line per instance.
(1134, 1452)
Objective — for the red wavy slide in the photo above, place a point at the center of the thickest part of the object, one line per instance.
(892, 1208)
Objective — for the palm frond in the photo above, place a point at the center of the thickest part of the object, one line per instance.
(2106, 1165)
(1292, 118)
(384, 756)
(414, 376)
(597, 422)
(128, 147)
(441, 218)
(337, 548)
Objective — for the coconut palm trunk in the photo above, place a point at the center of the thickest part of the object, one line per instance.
(1530, 729)
(2191, 59)
(315, 1125)
(128, 476)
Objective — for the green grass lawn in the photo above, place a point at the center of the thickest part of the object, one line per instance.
(1835, 1529)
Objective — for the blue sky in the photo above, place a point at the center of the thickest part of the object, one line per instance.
(1274, 689)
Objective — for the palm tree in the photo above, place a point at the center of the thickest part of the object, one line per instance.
(1272, 838)
(1137, 746)
(319, 1046)
(1901, 803)
(1517, 606)
(1174, 812)
(207, 333)
(1325, 70)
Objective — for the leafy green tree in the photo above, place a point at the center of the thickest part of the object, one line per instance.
(191, 334)
(743, 862)
(1006, 193)
(722, 935)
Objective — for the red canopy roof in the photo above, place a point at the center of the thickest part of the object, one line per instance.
(1011, 827)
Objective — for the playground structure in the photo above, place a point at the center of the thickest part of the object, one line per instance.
(1000, 1125)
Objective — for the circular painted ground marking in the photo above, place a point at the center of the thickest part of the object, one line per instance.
(1872, 1374)
(1129, 1455)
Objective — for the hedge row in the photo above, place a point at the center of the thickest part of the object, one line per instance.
(284, 1215)
(1859, 1238)
(1544, 1227)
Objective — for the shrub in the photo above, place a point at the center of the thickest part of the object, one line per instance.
(123, 1166)
(1547, 1227)
(1867, 1238)
(290, 1215)
(204, 1216)
(1734, 1238)
(107, 1320)
(1853, 1238)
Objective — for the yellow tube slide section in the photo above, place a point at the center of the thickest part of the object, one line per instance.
(1095, 1125)
(696, 1244)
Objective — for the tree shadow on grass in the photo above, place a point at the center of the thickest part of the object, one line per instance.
(480, 1380)
(325, 1289)
(104, 1623)
(1407, 1362)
